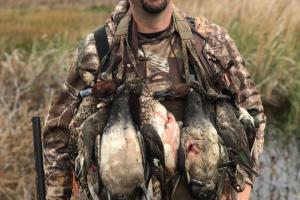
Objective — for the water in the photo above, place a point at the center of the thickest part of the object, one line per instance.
(280, 170)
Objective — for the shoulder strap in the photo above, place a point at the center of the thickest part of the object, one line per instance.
(200, 43)
(122, 28)
(102, 45)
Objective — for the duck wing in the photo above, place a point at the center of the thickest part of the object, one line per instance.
(233, 134)
(92, 127)
(152, 115)
(154, 152)
(249, 126)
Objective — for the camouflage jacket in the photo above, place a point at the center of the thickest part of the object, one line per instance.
(219, 50)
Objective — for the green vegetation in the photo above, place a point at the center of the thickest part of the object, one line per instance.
(36, 46)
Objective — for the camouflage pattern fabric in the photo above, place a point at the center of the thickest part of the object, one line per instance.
(159, 63)
(219, 50)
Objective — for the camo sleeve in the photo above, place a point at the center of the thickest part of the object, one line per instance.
(58, 167)
(249, 98)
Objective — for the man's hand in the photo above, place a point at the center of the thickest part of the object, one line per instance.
(245, 195)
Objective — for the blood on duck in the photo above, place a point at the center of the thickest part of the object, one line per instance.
(201, 151)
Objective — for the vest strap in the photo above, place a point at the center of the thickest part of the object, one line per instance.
(182, 25)
(189, 48)
(122, 28)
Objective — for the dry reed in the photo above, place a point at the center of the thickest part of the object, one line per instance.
(28, 82)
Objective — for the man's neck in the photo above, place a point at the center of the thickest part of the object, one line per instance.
(151, 23)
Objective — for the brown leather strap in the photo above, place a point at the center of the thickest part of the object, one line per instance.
(174, 70)
(199, 46)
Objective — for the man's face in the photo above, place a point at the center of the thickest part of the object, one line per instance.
(151, 6)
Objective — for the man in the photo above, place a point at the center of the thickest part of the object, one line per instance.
(157, 50)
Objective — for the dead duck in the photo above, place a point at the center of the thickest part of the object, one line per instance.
(201, 151)
(235, 139)
(243, 116)
(87, 107)
(121, 153)
(161, 134)
(85, 162)
(92, 117)
(228, 117)
(92, 127)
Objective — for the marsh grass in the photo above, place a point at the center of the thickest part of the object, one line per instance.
(36, 46)
(28, 83)
(268, 36)
(24, 27)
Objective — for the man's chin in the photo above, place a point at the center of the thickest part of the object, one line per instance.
(154, 6)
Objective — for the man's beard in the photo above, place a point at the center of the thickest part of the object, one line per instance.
(154, 8)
